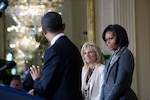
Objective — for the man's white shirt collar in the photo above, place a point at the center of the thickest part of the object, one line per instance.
(56, 37)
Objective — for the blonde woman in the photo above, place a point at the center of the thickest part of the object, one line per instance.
(92, 71)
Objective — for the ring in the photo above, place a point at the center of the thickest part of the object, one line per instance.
(38, 67)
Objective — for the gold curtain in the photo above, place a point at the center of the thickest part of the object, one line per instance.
(3, 38)
(91, 20)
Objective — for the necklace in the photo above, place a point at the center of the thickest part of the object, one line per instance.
(87, 84)
(90, 71)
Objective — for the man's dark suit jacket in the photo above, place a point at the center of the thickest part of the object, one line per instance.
(118, 77)
(27, 82)
(61, 73)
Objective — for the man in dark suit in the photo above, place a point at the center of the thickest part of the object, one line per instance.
(61, 73)
(27, 81)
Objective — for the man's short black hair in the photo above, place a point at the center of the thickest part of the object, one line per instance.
(52, 22)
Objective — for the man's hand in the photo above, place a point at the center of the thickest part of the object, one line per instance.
(35, 72)
(31, 92)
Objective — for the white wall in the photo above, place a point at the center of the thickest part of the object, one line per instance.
(104, 17)
(143, 47)
(74, 15)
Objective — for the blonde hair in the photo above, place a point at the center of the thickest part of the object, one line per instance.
(99, 56)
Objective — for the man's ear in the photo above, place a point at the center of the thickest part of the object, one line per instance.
(44, 30)
(63, 26)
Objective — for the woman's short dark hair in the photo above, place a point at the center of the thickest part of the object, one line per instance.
(52, 22)
(119, 32)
